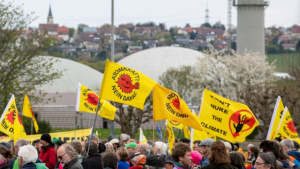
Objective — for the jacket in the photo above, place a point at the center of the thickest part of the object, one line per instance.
(178, 166)
(73, 164)
(219, 166)
(136, 167)
(93, 161)
(29, 166)
(48, 156)
(295, 156)
(5, 165)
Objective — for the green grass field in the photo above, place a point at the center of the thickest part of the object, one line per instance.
(284, 61)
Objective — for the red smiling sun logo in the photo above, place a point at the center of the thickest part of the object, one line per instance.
(291, 126)
(125, 84)
(11, 118)
(92, 99)
(176, 103)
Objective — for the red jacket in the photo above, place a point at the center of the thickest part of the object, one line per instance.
(136, 167)
(48, 156)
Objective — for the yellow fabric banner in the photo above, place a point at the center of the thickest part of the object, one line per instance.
(201, 135)
(125, 85)
(186, 132)
(27, 111)
(67, 136)
(142, 137)
(11, 123)
(277, 113)
(175, 124)
(286, 128)
(226, 119)
(168, 105)
(171, 137)
(87, 101)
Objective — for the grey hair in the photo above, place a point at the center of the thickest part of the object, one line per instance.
(28, 154)
(144, 150)
(124, 137)
(288, 143)
(69, 149)
(269, 158)
(228, 145)
(22, 142)
(94, 137)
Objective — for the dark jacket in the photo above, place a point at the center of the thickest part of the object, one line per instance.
(73, 164)
(93, 161)
(5, 165)
(48, 156)
(219, 166)
(29, 166)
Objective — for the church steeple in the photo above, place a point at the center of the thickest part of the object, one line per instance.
(50, 17)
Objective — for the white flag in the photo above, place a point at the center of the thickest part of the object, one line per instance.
(142, 137)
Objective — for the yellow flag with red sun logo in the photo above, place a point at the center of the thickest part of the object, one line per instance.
(168, 105)
(175, 124)
(87, 102)
(11, 123)
(171, 137)
(286, 128)
(125, 85)
(226, 119)
(27, 111)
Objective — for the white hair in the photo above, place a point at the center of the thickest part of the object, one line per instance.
(28, 154)
(288, 143)
(228, 145)
(124, 137)
(161, 146)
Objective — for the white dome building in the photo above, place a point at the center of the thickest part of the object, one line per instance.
(155, 61)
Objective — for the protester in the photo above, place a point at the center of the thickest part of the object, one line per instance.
(253, 156)
(143, 148)
(269, 146)
(185, 141)
(57, 144)
(160, 149)
(138, 162)
(130, 141)
(116, 144)
(5, 155)
(20, 143)
(288, 147)
(109, 148)
(27, 156)
(67, 157)
(228, 146)
(109, 161)
(196, 159)
(95, 139)
(124, 138)
(123, 155)
(175, 142)
(47, 154)
(205, 150)
(196, 145)
(93, 159)
(282, 156)
(78, 148)
(155, 162)
(12, 148)
(266, 161)
(247, 154)
(130, 147)
(169, 164)
(181, 154)
(237, 159)
(296, 146)
(218, 157)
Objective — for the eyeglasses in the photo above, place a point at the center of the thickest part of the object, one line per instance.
(60, 157)
(258, 163)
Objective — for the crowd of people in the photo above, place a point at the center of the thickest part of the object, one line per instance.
(127, 153)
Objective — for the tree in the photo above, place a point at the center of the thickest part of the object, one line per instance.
(22, 67)
(298, 46)
(193, 35)
(206, 25)
(275, 40)
(219, 25)
(102, 55)
(81, 26)
(162, 26)
(71, 32)
(233, 46)
(187, 25)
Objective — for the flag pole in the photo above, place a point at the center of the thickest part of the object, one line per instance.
(153, 131)
(93, 126)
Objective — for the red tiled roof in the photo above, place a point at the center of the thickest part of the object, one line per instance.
(62, 30)
(189, 29)
(296, 29)
(48, 27)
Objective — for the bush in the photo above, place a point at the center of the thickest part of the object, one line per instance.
(44, 126)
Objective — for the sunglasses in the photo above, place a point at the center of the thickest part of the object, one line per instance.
(60, 157)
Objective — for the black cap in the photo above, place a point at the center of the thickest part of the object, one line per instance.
(155, 161)
(46, 137)
(169, 159)
(185, 140)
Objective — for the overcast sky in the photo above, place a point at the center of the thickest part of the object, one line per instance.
(171, 12)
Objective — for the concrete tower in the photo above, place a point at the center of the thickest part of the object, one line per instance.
(50, 17)
(206, 14)
(251, 25)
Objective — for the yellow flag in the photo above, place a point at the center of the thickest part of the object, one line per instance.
(27, 111)
(175, 124)
(142, 137)
(186, 132)
(171, 137)
(87, 102)
(125, 85)
(168, 105)
(286, 128)
(226, 119)
(11, 123)
(277, 113)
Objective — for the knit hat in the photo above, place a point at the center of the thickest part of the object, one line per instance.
(155, 161)
(46, 137)
(139, 160)
(6, 144)
(196, 157)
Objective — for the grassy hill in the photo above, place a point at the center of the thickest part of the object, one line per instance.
(284, 61)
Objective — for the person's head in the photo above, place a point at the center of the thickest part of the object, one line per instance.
(20, 142)
(124, 138)
(205, 146)
(248, 147)
(116, 143)
(109, 147)
(109, 160)
(228, 146)
(269, 146)
(253, 151)
(11, 142)
(77, 146)
(296, 146)
(196, 158)
(237, 160)
(281, 155)
(181, 154)
(169, 164)
(196, 145)
(93, 148)
(143, 148)
(65, 154)
(266, 161)
(5, 153)
(122, 153)
(287, 144)
(57, 144)
(139, 160)
(95, 139)
(27, 154)
(35, 143)
(160, 148)
(155, 162)
(130, 147)
(218, 153)
(185, 141)
(130, 141)
(45, 139)
(5, 144)
(175, 142)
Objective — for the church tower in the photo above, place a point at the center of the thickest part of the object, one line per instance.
(50, 17)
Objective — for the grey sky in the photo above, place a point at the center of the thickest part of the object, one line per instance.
(171, 12)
